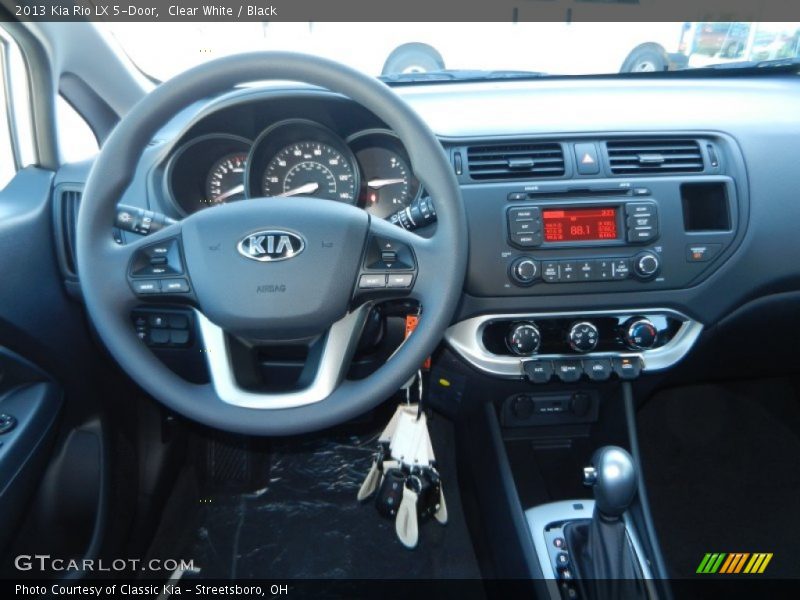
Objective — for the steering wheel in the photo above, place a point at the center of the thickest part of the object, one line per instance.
(271, 269)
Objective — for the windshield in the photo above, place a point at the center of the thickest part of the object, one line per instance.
(399, 50)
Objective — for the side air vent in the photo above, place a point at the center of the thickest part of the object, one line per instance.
(67, 201)
(648, 156)
(515, 161)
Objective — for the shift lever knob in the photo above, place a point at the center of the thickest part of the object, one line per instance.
(613, 476)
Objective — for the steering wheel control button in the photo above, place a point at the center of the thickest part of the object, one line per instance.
(159, 337)
(158, 321)
(147, 286)
(178, 321)
(372, 281)
(384, 254)
(702, 252)
(175, 286)
(399, 280)
(523, 339)
(639, 334)
(627, 367)
(569, 371)
(538, 371)
(7, 423)
(587, 160)
(178, 337)
(158, 260)
(598, 369)
(583, 337)
(524, 271)
(162, 328)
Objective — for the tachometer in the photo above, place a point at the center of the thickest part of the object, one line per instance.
(310, 169)
(225, 181)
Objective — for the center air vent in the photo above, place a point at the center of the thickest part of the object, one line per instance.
(632, 157)
(515, 161)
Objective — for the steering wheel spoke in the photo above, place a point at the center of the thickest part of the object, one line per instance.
(333, 359)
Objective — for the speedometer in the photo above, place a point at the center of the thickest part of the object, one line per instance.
(310, 169)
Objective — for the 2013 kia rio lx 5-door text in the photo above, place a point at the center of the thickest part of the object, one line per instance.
(292, 306)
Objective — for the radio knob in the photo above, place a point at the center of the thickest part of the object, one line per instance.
(639, 333)
(583, 337)
(524, 270)
(523, 339)
(646, 265)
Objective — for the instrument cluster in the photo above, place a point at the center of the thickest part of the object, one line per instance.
(294, 157)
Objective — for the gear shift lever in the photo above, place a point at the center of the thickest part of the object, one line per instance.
(613, 477)
(603, 557)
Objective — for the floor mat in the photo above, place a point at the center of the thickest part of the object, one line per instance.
(306, 522)
(720, 463)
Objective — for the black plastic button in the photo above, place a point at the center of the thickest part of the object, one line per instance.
(640, 209)
(538, 371)
(159, 337)
(516, 196)
(399, 280)
(627, 367)
(147, 286)
(159, 321)
(179, 337)
(568, 270)
(174, 286)
(562, 559)
(372, 281)
(568, 371)
(597, 369)
(620, 268)
(550, 271)
(177, 321)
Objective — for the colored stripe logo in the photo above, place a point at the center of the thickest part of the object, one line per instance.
(734, 563)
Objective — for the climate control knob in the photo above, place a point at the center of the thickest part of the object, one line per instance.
(646, 265)
(583, 336)
(639, 333)
(523, 339)
(524, 270)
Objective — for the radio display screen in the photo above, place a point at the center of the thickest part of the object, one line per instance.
(580, 224)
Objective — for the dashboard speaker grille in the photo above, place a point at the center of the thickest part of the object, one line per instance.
(515, 161)
(648, 156)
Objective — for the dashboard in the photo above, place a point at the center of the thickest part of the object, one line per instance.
(604, 201)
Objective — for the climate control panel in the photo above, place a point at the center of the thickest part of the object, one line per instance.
(569, 346)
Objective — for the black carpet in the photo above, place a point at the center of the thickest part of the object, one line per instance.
(722, 465)
(305, 521)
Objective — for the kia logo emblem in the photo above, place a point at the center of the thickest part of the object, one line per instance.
(270, 246)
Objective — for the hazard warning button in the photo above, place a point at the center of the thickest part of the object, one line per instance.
(586, 159)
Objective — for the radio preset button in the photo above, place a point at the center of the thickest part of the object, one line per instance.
(569, 270)
(603, 270)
